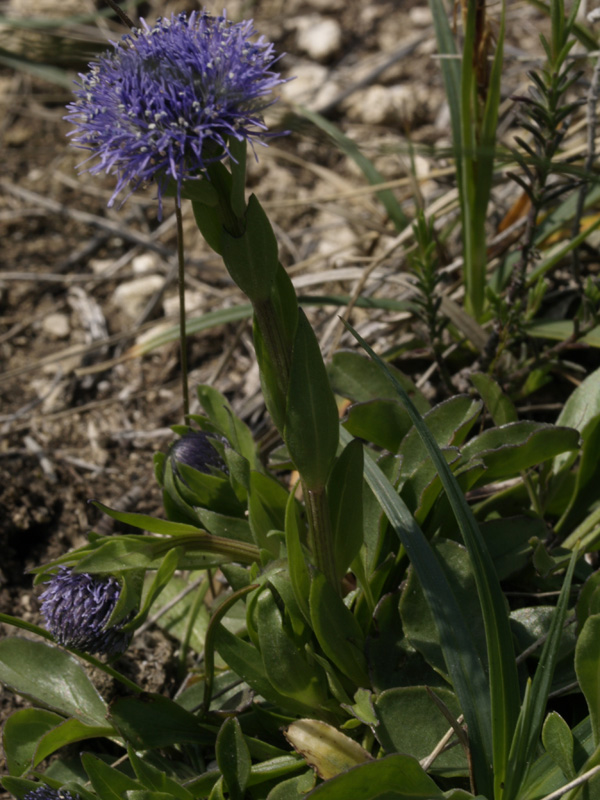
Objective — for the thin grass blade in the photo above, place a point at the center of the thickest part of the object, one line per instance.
(503, 681)
(462, 660)
(532, 714)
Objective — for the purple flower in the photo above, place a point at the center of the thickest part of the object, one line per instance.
(163, 104)
(76, 608)
(43, 792)
(195, 450)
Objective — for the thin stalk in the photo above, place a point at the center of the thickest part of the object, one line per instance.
(588, 166)
(182, 315)
(121, 14)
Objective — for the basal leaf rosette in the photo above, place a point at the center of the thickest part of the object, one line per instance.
(166, 102)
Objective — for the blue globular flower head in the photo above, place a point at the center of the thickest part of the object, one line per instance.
(194, 449)
(76, 608)
(43, 792)
(163, 105)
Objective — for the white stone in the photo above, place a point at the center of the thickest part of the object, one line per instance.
(131, 297)
(144, 263)
(56, 326)
(193, 301)
(320, 38)
(309, 81)
(382, 105)
(420, 16)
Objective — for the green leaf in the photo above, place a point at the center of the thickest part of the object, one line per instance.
(50, 677)
(462, 660)
(514, 448)
(503, 683)
(107, 782)
(19, 787)
(233, 758)
(587, 667)
(288, 670)
(383, 422)
(561, 330)
(293, 788)
(151, 720)
(392, 660)
(500, 407)
(225, 526)
(448, 423)
(395, 777)
(417, 619)
(326, 749)
(148, 523)
(208, 221)
(251, 259)
(211, 491)
(344, 492)
(356, 377)
(311, 420)
(245, 660)
(529, 723)
(508, 540)
(69, 731)
(545, 776)
(267, 502)
(20, 736)
(219, 411)
(585, 491)
(582, 412)
(337, 631)
(298, 568)
(411, 723)
(559, 743)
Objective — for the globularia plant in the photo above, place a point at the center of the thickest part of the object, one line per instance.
(364, 632)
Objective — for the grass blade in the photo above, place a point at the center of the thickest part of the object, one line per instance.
(503, 681)
(533, 709)
(462, 660)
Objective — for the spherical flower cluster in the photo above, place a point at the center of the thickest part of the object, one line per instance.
(46, 793)
(194, 449)
(76, 608)
(163, 104)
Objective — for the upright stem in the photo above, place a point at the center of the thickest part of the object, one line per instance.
(182, 331)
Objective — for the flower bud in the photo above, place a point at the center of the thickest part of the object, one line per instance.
(195, 450)
(76, 608)
(43, 792)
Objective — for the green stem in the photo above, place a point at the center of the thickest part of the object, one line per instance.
(182, 330)
(207, 543)
(320, 536)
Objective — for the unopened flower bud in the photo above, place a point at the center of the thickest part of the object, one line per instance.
(196, 450)
(77, 606)
(43, 792)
